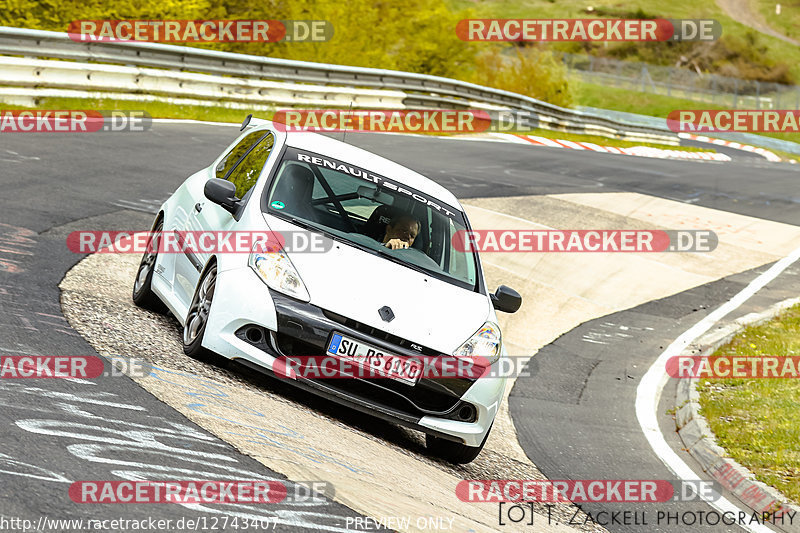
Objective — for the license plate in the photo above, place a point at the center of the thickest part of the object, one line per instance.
(378, 361)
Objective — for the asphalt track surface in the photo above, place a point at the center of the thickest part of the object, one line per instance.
(57, 431)
(579, 401)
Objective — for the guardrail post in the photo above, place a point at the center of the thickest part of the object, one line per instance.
(669, 81)
(713, 89)
(758, 95)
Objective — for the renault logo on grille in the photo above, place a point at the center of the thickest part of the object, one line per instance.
(386, 313)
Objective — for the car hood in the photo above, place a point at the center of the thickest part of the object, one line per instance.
(356, 284)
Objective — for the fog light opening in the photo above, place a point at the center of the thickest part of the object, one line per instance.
(466, 413)
(254, 335)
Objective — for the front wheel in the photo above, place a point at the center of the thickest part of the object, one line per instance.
(454, 452)
(197, 318)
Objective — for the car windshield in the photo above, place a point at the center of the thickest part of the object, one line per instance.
(374, 213)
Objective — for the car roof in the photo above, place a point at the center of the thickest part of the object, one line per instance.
(323, 145)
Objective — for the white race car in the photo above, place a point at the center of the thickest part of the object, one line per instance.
(390, 284)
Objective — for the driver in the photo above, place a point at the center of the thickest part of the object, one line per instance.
(401, 232)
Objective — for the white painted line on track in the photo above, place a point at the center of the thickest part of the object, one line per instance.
(80, 381)
(648, 393)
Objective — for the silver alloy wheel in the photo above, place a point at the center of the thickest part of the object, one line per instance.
(148, 260)
(201, 305)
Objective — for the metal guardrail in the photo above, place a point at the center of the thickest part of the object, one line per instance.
(420, 90)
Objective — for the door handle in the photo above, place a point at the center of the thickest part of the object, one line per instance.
(198, 207)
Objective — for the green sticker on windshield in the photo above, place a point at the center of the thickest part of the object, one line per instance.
(277, 205)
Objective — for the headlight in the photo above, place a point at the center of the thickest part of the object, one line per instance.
(486, 342)
(275, 269)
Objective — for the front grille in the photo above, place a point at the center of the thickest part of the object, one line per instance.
(289, 345)
(379, 334)
(426, 399)
(376, 390)
(304, 329)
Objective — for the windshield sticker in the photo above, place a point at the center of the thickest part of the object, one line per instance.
(386, 183)
(277, 205)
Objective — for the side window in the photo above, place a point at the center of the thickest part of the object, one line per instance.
(458, 264)
(246, 173)
(236, 153)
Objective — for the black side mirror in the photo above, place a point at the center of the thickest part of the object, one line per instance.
(222, 192)
(506, 299)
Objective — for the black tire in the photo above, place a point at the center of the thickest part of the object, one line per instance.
(453, 452)
(142, 294)
(197, 317)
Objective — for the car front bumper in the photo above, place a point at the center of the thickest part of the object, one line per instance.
(244, 306)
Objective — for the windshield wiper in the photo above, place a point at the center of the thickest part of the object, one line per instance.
(384, 252)
(313, 227)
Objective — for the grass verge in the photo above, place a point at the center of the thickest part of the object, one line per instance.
(764, 50)
(630, 101)
(758, 420)
(154, 109)
(235, 116)
(786, 22)
(223, 114)
(655, 105)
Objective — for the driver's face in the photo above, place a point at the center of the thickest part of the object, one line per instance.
(405, 230)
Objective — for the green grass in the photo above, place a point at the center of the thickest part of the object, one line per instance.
(758, 420)
(154, 109)
(629, 101)
(654, 105)
(774, 49)
(787, 23)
